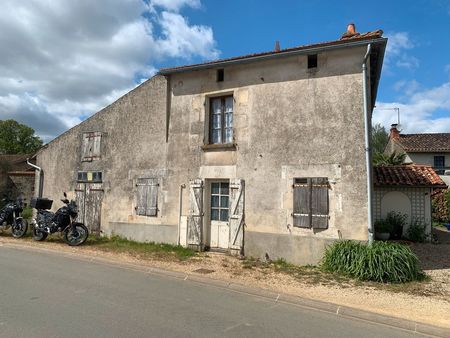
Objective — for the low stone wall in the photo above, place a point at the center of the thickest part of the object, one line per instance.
(144, 232)
(299, 250)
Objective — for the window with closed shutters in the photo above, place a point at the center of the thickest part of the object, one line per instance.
(310, 209)
(147, 196)
(91, 146)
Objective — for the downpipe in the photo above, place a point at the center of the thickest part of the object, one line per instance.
(368, 150)
(41, 177)
(182, 186)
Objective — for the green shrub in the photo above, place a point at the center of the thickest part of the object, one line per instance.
(383, 226)
(27, 213)
(417, 232)
(380, 262)
(396, 219)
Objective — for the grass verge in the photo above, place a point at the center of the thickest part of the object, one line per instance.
(120, 244)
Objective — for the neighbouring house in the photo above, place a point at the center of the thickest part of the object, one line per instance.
(406, 189)
(16, 176)
(431, 149)
(261, 155)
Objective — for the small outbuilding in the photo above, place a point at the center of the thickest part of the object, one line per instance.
(406, 189)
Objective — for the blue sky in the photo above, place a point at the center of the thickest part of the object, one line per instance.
(63, 61)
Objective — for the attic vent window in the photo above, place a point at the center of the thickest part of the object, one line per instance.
(220, 75)
(312, 61)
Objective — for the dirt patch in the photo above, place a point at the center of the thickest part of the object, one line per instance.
(427, 302)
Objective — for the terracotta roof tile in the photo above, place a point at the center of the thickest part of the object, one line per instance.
(364, 36)
(407, 175)
(435, 142)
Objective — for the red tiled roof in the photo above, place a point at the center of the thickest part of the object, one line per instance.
(407, 175)
(364, 36)
(435, 142)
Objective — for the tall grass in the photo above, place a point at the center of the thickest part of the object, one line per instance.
(380, 262)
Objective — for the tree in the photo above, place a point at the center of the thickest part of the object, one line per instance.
(379, 138)
(392, 159)
(16, 138)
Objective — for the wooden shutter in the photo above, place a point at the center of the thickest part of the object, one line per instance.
(195, 217)
(87, 144)
(80, 198)
(302, 203)
(147, 196)
(152, 197)
(237, 216)
(319, 203)
(311, 203)
(96, 144)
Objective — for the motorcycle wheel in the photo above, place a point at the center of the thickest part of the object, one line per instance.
(19, 229)
(39, 235)
(76, 235)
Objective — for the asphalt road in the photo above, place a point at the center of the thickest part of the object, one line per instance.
(46, 295)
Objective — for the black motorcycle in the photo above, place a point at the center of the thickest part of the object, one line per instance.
(63, 221)
(11, 216)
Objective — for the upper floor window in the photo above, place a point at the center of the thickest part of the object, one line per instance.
(312, 61)
(439, 164)
(91, 146)
(221, 120)
(147, 196)
(439, 161)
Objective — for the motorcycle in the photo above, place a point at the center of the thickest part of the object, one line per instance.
(11, 216)
(63, 221)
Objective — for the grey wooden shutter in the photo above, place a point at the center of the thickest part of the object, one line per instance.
(195, 217)
(147, 196)
(302, 203)
(152, 197)
(87, 144)
(80, 197)
(319, 203)
(237, 215)
(141, 196)
(96, 144)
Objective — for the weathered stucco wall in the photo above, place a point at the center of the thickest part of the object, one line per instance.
(133, 145)
(288, 122)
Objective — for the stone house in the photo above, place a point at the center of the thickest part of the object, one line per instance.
(406, 189)
(261, 154)
(432, 149)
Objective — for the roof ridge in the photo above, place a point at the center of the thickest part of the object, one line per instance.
(361, 37)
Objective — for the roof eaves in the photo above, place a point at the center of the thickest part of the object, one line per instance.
(338, 44)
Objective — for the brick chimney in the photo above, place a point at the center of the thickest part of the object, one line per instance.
(394, 133)
(351, 32)
(277, 46)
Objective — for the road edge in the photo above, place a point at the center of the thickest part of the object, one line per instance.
(338, 310)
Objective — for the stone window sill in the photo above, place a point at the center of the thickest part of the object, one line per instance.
(221, 146)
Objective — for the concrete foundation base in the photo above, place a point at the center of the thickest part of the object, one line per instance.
(144, 232)
(298, 250)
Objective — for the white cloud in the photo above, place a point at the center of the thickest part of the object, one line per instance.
(60, 60)
(176, 5)
(396, 51)
(418, 110)
(180, 38)
(407, 87)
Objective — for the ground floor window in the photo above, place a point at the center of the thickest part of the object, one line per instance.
(311, 202)
(220, 195)
(147, 196)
